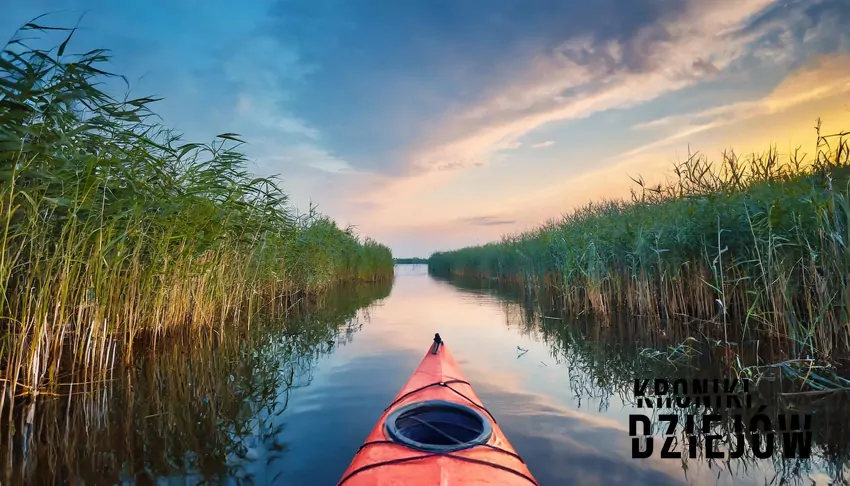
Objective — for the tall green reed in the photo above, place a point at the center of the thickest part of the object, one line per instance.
(755, 244)
(205, 413)
(112, 228)
(604, 360)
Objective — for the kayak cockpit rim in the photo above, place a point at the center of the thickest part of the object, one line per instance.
(438, 426)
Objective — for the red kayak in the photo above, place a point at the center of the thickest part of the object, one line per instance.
(437, 432)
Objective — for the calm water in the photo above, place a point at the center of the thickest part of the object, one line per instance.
(293, 409)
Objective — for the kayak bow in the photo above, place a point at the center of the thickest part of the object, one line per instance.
(437, 432)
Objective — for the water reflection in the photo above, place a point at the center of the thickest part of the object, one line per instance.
(205, 411)
(290, 404)
(601, 363)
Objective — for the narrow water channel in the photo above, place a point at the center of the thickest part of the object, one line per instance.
(293, 409)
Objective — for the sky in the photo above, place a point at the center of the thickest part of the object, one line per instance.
(436, 124)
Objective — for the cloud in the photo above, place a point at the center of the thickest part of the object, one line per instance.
(450, 166)
(379, 109)
(583, 75)
(705, 68)
(410, 95)
(586, 75)
(487, 221)
(825, 77)
(308, 156)
(387, 74)
(545, 144)
(259, 108)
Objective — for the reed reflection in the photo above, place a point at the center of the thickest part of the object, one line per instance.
(203, 412)
(604, 358)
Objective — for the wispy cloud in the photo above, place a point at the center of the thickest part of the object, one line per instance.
(308, 156)
(487, 221)
(380, 109)
(584, 75)
(588, 74)
(259, 107)
(545, 144)
(825, 77)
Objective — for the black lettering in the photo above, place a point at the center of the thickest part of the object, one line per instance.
(689, 424)
(732, 401)
(667, 451)
(711, 451)
(739, 423)
(740, 446)
(796, 442)
(700, 386)
(795, 422)
(634, 420)
(680, 389)
(662, 387)
(707, 420)
(640, 387)
(756, 441)
(730, 385)
(637, 452)
(693, 447)
(672, 420)
(760, 421)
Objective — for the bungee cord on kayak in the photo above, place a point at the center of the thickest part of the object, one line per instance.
(442, 422)
(403, 426)
(446, 385)
(437, 454)
(435, 429)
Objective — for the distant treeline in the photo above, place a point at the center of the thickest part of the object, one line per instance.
(411, 261)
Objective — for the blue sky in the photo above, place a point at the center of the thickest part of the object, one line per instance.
(433, 124)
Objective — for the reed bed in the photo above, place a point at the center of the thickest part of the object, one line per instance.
(751, 245)
(114, 230)
(199, 413)
(604, 361)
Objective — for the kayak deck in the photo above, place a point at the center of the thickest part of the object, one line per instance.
(437, 432)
